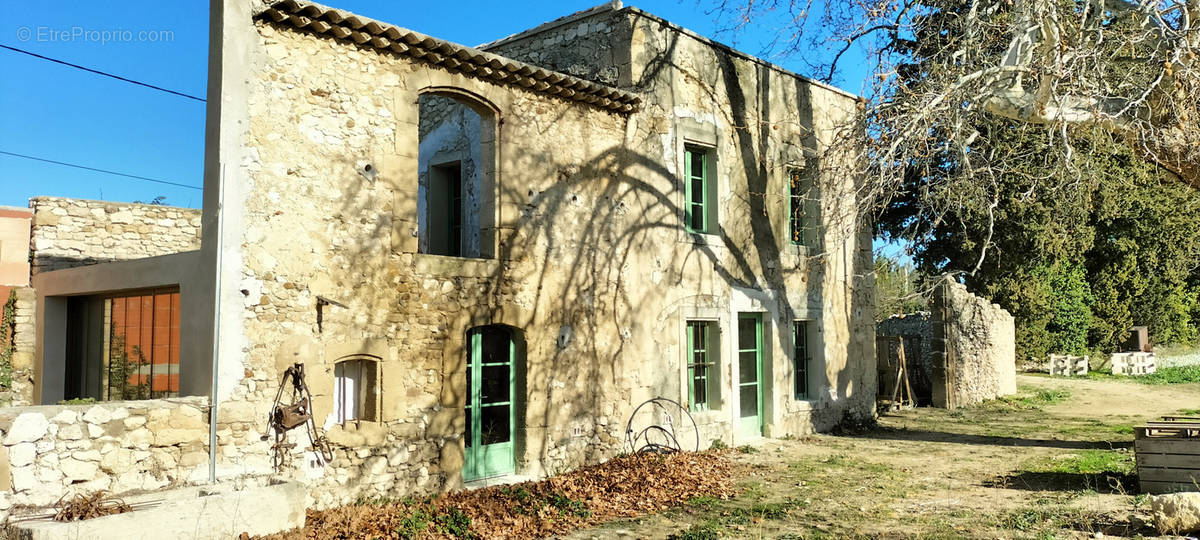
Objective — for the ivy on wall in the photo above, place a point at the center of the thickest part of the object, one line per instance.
(8, 331)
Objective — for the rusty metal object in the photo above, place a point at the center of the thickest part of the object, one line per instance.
(663, 418)
(82, 506)
(292, 416)
(286, 417)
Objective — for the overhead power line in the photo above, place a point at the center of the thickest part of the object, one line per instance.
(134, 176)
(98, 72)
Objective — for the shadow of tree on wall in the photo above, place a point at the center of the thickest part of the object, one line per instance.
(576, 271)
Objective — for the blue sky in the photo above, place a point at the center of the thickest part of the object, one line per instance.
(64, 114)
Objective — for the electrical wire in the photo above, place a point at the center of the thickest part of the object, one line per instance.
(98, 72)
(86, 168)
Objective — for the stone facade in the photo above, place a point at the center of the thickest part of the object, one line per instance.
(593, 44)
(320, 158)
(77, 232)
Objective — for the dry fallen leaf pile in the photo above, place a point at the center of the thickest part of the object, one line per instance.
(622, 487)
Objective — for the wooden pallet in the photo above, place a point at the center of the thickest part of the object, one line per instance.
(1168, 454)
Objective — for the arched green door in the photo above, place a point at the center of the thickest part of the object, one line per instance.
(489, 407)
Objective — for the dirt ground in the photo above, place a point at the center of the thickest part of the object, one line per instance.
(1053, 462)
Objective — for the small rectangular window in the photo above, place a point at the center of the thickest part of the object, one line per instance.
(800, 359)
(701, 367)
(354, 390)
(699, 205)
(797, 193)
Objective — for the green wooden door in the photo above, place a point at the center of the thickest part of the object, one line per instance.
(489, 408)
(750, 391)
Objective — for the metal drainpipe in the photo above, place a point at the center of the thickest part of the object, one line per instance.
(216, 344)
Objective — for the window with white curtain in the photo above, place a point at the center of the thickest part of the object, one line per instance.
(354, 390)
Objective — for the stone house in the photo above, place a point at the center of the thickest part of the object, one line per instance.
(486, 258)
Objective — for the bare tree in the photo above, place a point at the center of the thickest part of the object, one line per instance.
(948, 72)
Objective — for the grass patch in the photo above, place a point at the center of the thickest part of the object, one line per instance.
(1164, 375)
(1099, 471)
(709, 530)
(704, 502)
(1171, 375)
(1031, 398)
(1035, 519)
(1091, 462)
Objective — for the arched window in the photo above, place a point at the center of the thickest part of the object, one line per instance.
(356, 389)
(456, 194)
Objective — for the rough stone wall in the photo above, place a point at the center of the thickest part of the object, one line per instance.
(51, 451)
(78, 232)
(587, 46)
(320, 229)
(20, 338)
(592, 268)
(980, 346)
(762, 122)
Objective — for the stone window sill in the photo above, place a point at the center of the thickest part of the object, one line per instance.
(711, 416)
(702, 239)
(805, 404)
(443, 266)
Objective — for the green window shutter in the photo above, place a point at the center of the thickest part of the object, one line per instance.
(698, 364)
(696, 203)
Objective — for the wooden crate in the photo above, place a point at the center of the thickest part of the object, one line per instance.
(1168, 455)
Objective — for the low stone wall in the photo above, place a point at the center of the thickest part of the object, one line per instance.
(19, 339)
(979, 344)
(78, 232)
(121, 447)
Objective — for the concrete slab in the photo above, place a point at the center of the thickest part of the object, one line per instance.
(198, 513)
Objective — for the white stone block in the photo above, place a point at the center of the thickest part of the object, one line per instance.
(22, 454)
(26, 428)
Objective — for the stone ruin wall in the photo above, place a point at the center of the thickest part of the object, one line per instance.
(980, 344)
(977, 337)
(78, 232)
